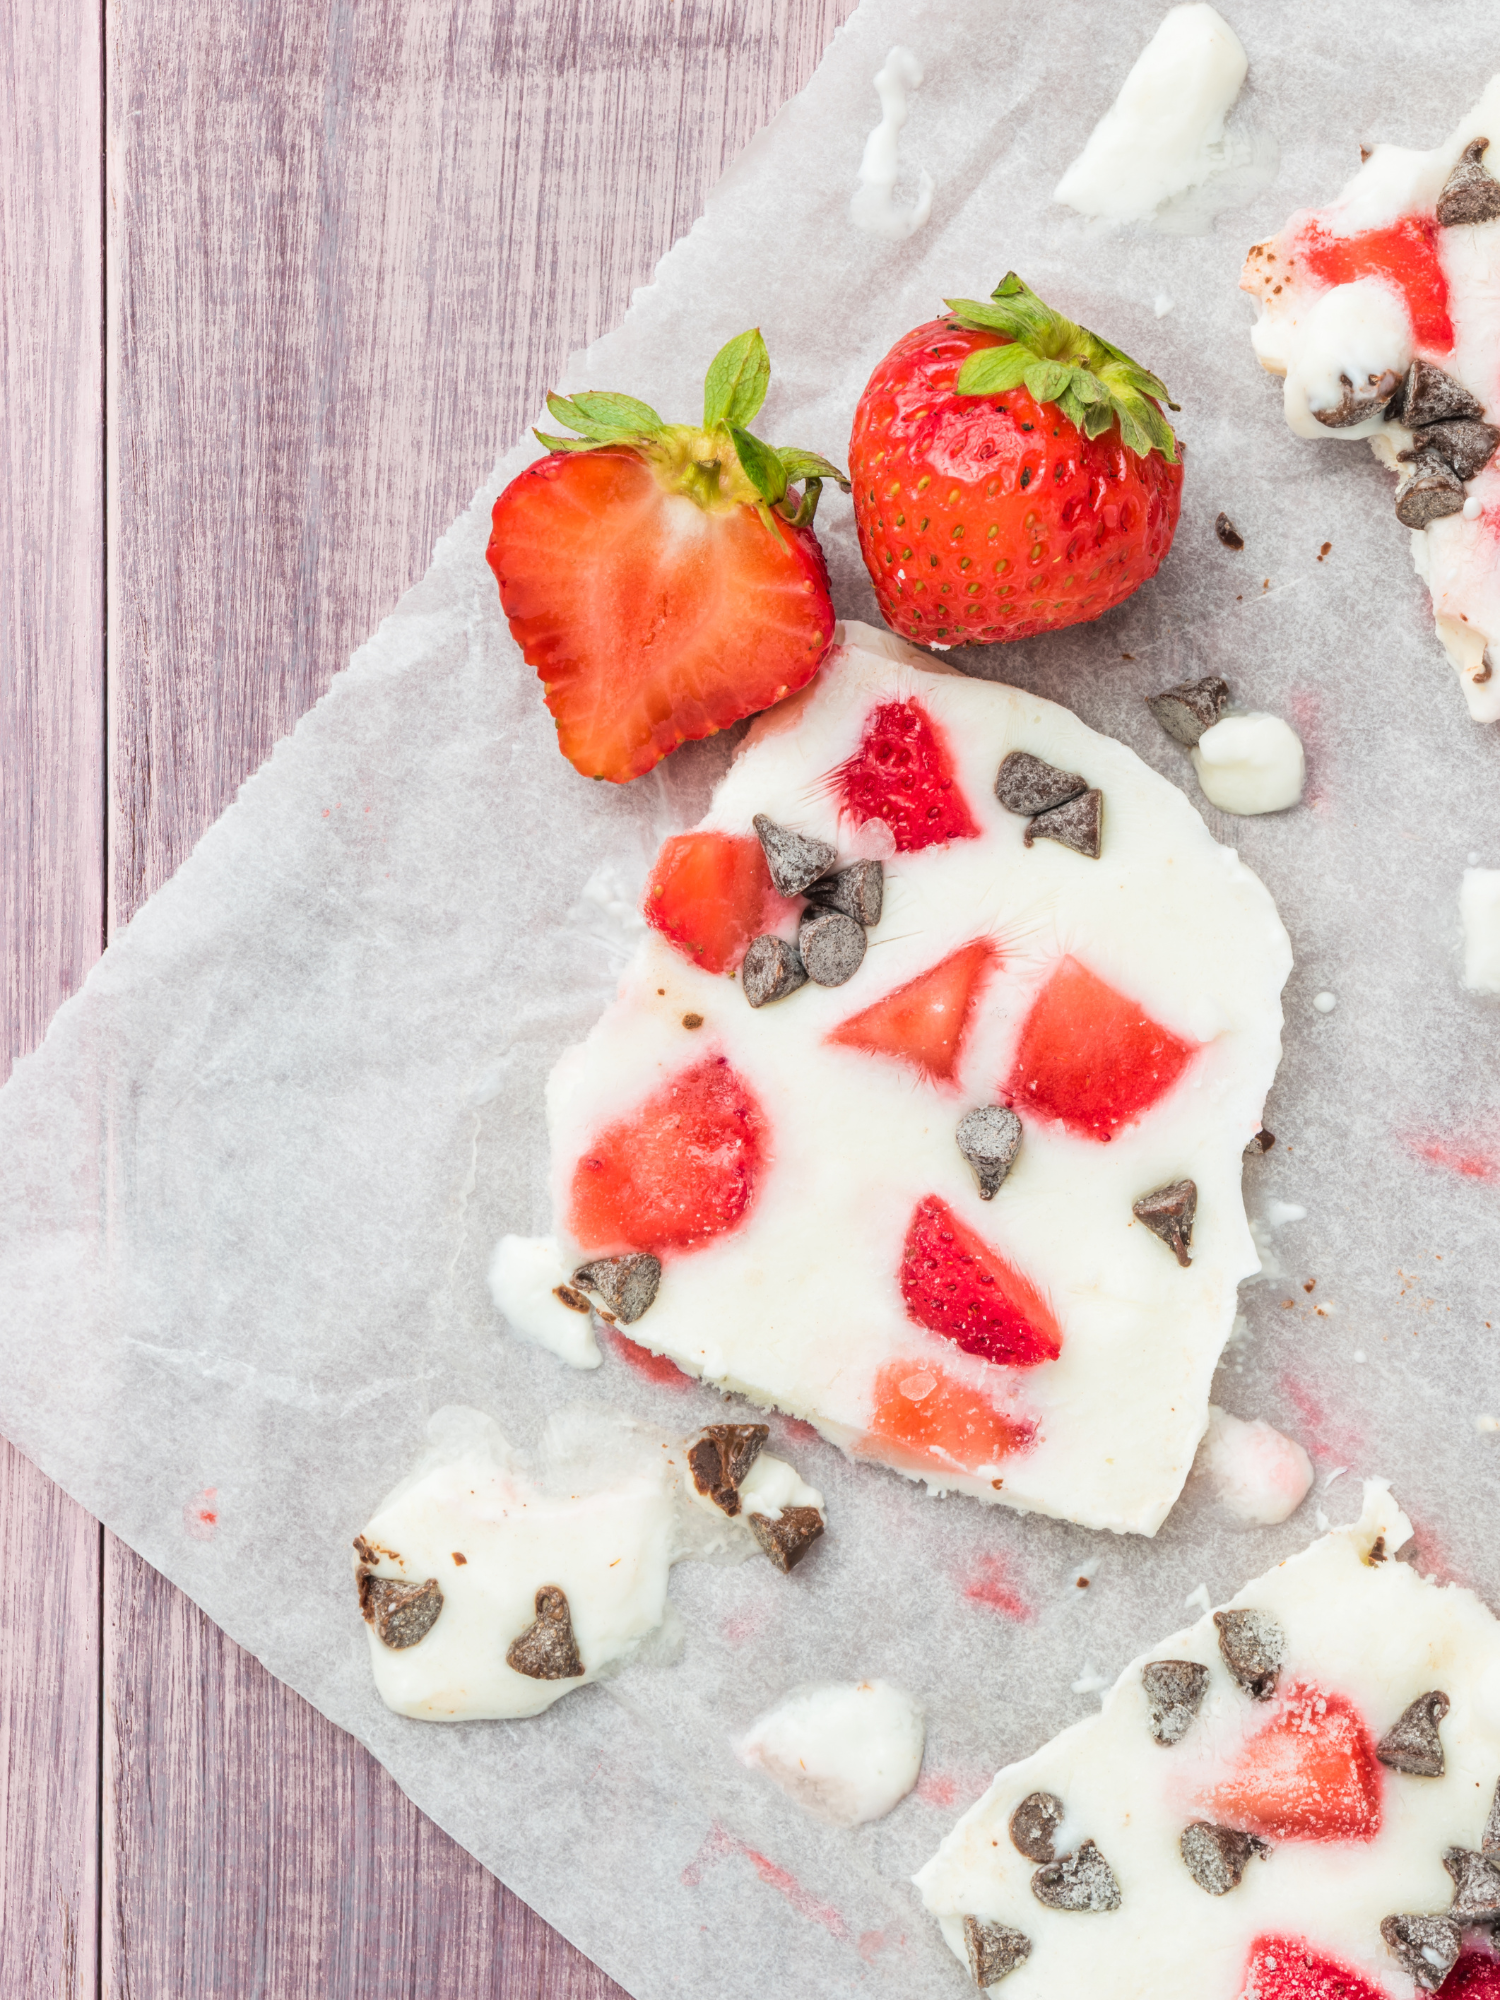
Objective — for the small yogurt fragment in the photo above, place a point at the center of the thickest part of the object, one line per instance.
(1250, 764)
(846, 1752)
(1343, 359)
(1257, 1475)
(873, 204)
(527, 1273)
(1479, 908)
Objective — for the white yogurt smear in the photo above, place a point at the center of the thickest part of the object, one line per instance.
(1359, 330)
(1250, 764)
(1479, 908)
(845, 1751)
(1258, 1475)
(525, 1272)
(873, 204)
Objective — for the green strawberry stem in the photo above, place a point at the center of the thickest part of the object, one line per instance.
(719, 465)
(1089, 379)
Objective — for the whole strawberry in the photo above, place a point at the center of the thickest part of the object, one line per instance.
(664, 579)
(1012, 472)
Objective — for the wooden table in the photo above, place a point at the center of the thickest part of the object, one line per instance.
(278, 280)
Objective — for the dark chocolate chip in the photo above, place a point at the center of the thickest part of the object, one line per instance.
(402, 1614)
(771, 968)
(832, 946)
(627, 1284)
(546, 1650)
(788, 1540)
(1426, 1947)
(573, 1300)
(1187, 710)
(1253, 1646)
(1168, 1213)
(1228, 533)
(1034, 1824)
(1465, 445)
(994, 1950)
(1358, 402)
(1489, 1840)
(1426, 395)
(1476, 1884)
(1471, 193)
(1430, 492)
(989, 1139)
(858, 891)
(792, 858)
(1079, 824)
(1261, 1143)
(1412, 1744)
(722, 1457)
(1175, 1690)
(1028, 785)
(1081, 1881)
(1217, 1856)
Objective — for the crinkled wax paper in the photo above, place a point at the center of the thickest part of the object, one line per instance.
(251, 1181)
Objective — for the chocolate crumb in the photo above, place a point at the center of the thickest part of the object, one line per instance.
(1082, 1582)
(832, 946)
(573, 1300)
(1425, 395)
(1261, 1143)
(546, 1650)
(1377, 1552)
(1471, 193)
(402, 1614)
(722, 1457)
(989, 1139)
(771, 968)
(1476, 1884)
(1028, 785)
(1253, 1646)
(1081, 1881)
(1489, 1840)
(1187, 710)
(1228, 533)
(1034, 1824)
(994, 1950)
(1217, 1856)
(1413, 1744)
(788, 1540)
(1364, 154)
(1175, 1690)
(627, 1285)
(792, 858)
(692, 1020)
(1426, 1947)
(1079, 824)
(1311, 1285)
(1326, 550)
(1168, 1212)
(460, 1559)
(857, 891)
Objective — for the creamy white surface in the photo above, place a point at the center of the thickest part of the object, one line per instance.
(873, 204)
(1250, 764)
(1258, 1475)
(800, 1306)
(524, 1274)
(1359, 330)
(1479, 911)
(1377, 1633)
(845, 1751)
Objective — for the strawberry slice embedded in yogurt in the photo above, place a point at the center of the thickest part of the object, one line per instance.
(1288, 1968)
(709, 894)
(956, 1285)
(926, 1022)
(923, 1418)
(902, 773)
(1310, 1774)
(1091, 1057)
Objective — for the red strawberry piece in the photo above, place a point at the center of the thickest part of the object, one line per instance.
(1012, 474)
(681, 1169)
(926, 1021)
(711, 893)
(1404, 255)
(1476, 1976)
(1310, 1774)
(954, 1284)
(1282, 1968)
(924, 1418)
(663, 579)
(902, 773)
(1091, 1057)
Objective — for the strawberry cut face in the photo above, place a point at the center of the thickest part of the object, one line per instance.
(955, 1285)
(926, 1022)
(924, 1418)
(1475, 1976)
(1282, 1968)
(902, 773)
(1090, 1057)
(682, 1169)
(710, 894)
(1404, 255)
(1310, 1774)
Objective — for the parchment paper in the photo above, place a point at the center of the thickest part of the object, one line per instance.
(250, 1182)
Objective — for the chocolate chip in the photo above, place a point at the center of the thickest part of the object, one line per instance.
(1186, 710)
(788, 1540)
(792, 858)
(1175, 1690)
(1426, 395)
(832, 946)
(1253, 1646)
(1034, 1824)
(1471, 193)
(1489, 1840)
(858, 891)
(1476, 1883)
(692, 1020)
(546, 1650)
(994, 1950)
(1081, 1881)
(1412, 1744)
(1430, 492)
(1427, 1948)
(771, 968)
(1168, 1213)
(574, 1301)
(1079, 824)
(989, 1139)
(1465, 445)
(1357, 403)
(626, 1284)
(402, 1614)
(722, 1457)
(1028, 785)
(1217, 1856)
(1261, 1143)
(1228, 533)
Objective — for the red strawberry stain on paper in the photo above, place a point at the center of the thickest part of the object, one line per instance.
(721, 1846)
(657, 1368)
(201, 1516)
(1326, 1434)
(1282, 1968)
(989, 1584)
(952, 1791)
(1473, 1159)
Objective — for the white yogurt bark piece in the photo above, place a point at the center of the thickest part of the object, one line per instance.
(1353, 294)
(846, 1751)
(824, 1243)
(1323, 1807)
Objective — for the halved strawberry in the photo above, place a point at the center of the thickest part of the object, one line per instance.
(1282, 1968)
(925, 1022)
(902, 773)
(710, 894)
(939, 1421)
(1310, 1774)
(1091, 1057)
(664, 579)
(681, 1169)
(955, 1284)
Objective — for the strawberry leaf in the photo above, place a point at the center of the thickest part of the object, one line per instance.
(1046, 380)
(994, 370)
(565, 444)
(799, 465)
(737, 380)
(604, 418)
(761, 465)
